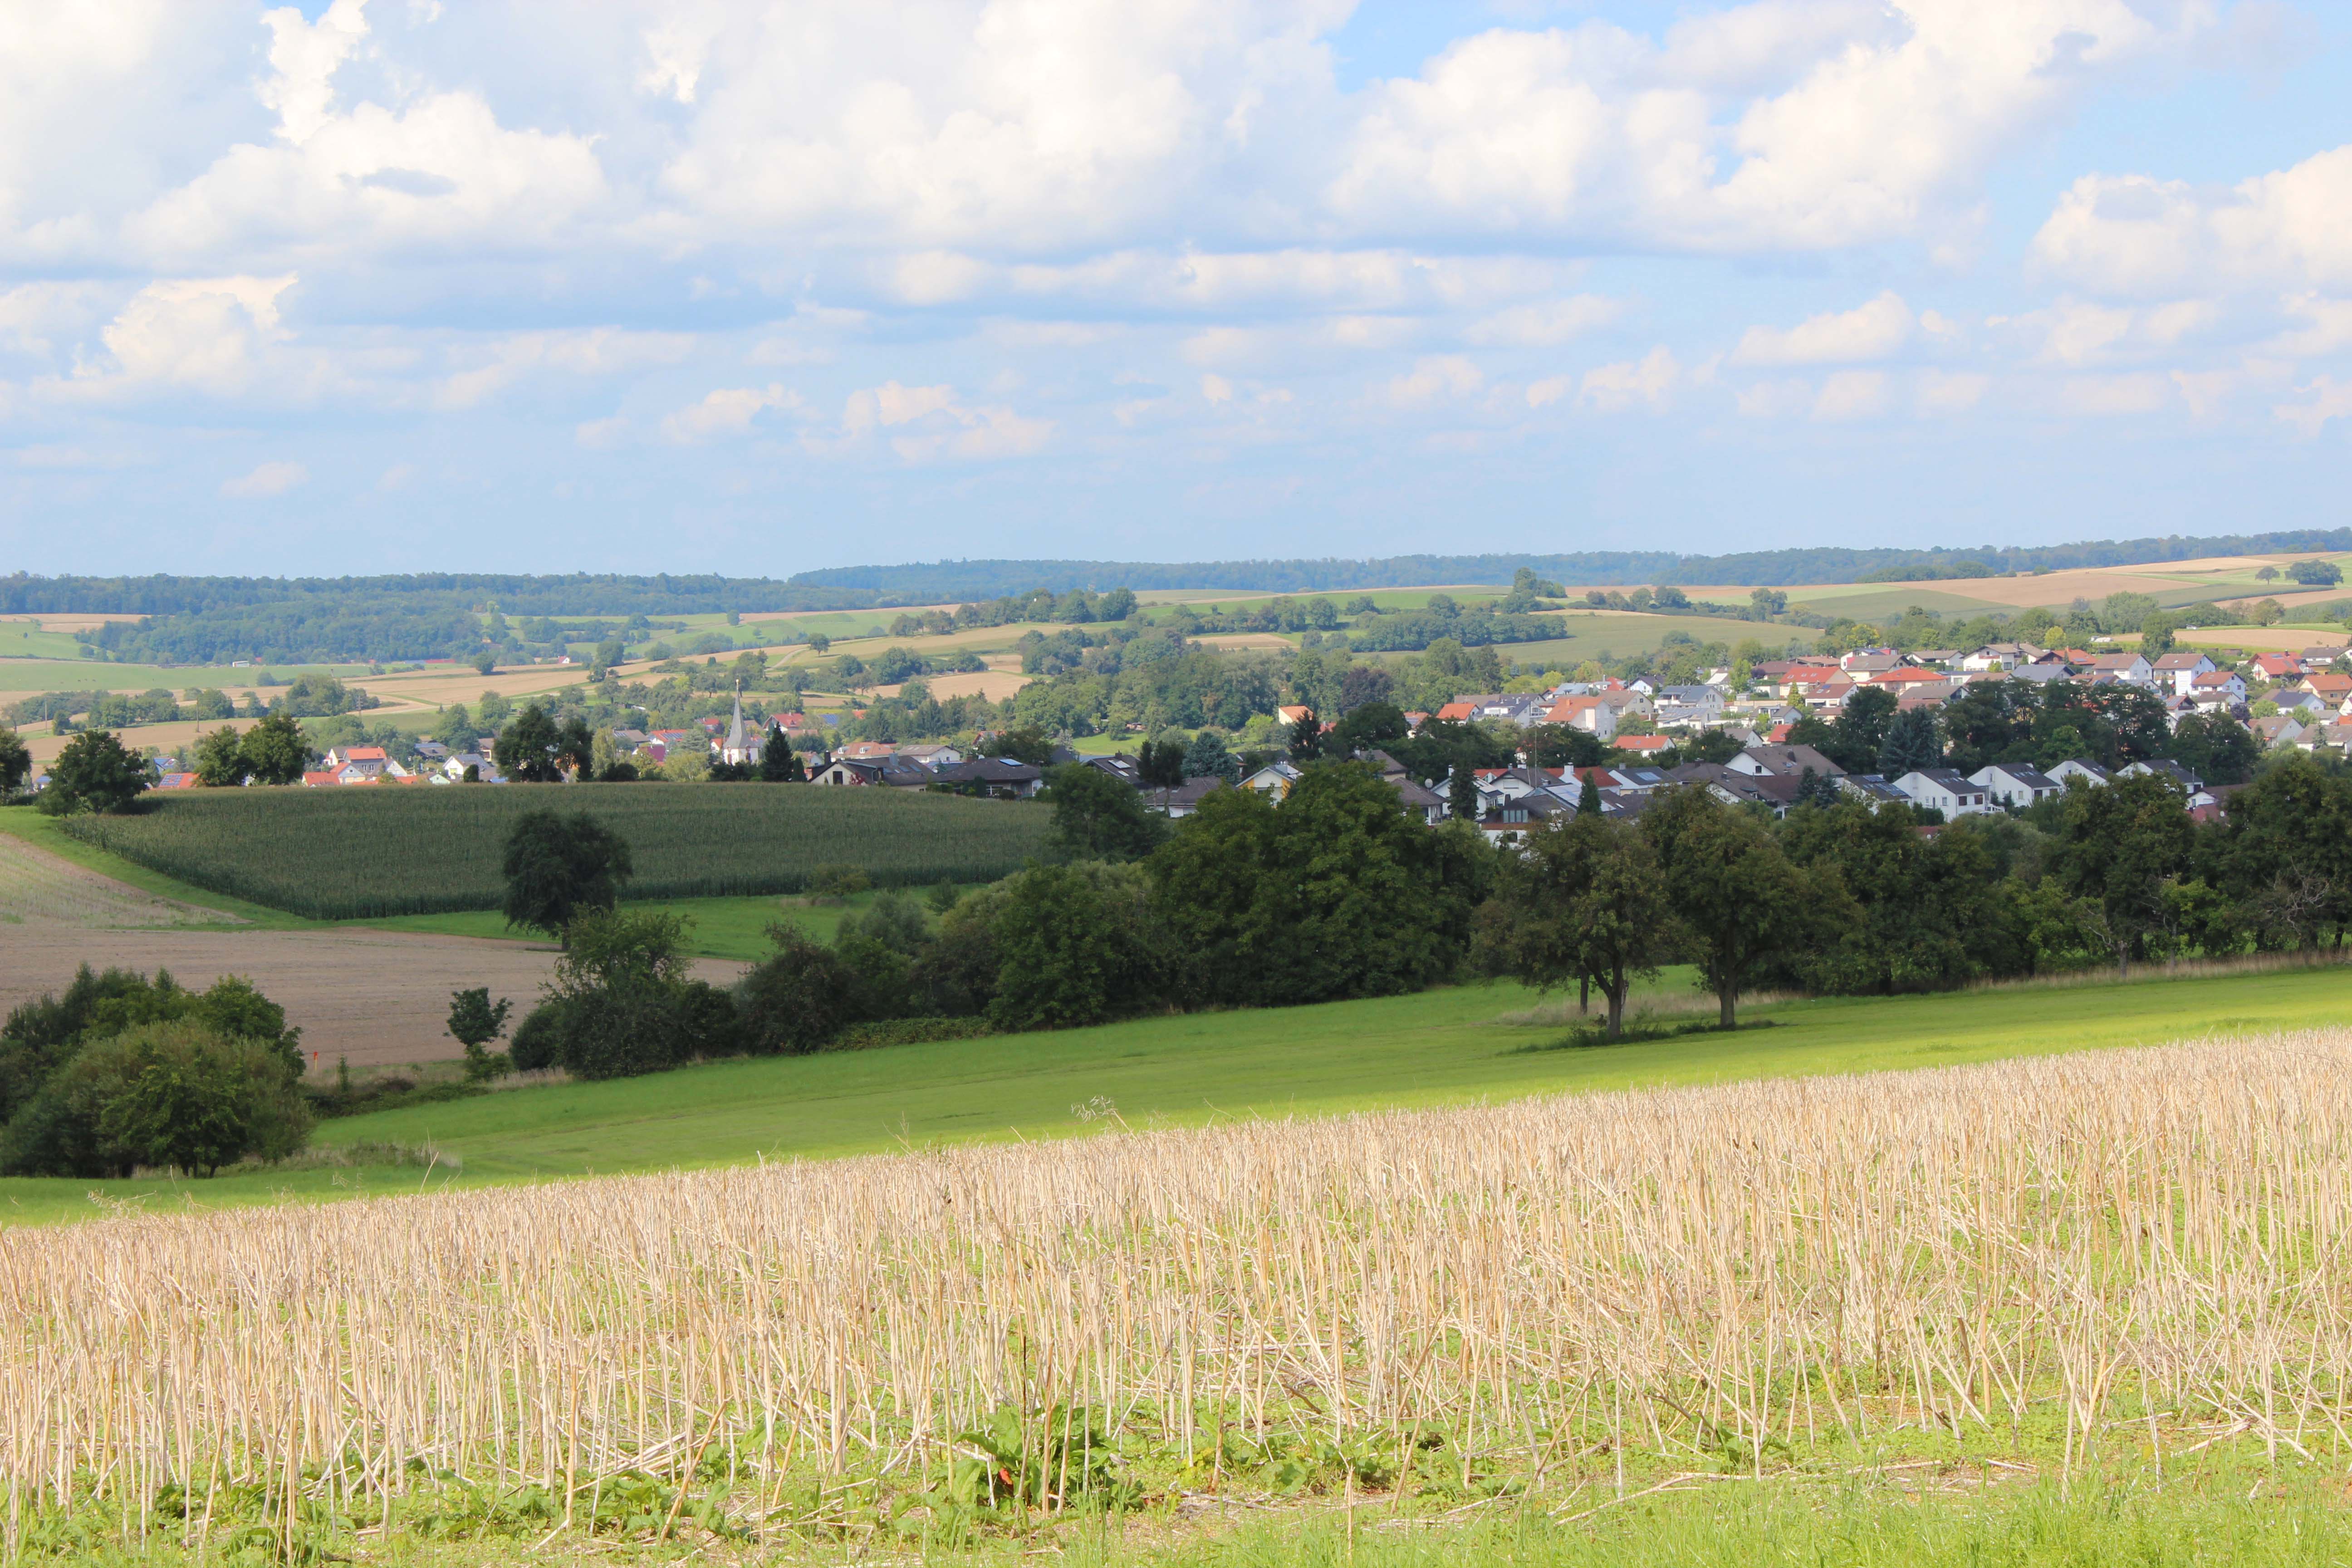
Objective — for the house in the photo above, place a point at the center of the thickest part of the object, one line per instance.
(1802, 676)
(1947, 791)
(2218, 688)
(2322, 657)
(320, 778)
(1511, 822)
(1416, 798)
(1455, 713)
(1588, 712)
(2042, 674)
(1910, 678)
(2163, 768)
(868, 751)
(1733, 788)
(742, 746)
(458, 762)
(1871, 789)
(1934, 658)
(1185, 799)
(2282, 730)
(1288, 716)
(1872, 661)
(1927, 694)
(2175, 670)
(2330, 687)
(939, 756)
(846, 773)
(1274, 780)
(2279, 667)
(1642, 745)
(2073, 768)
(999, 777)
(175, 780)
(1783, 762)
(2016, 785)
(2295, 699)
(2130, 667)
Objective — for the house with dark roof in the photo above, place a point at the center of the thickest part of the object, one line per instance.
(1947, 790)
(2016, 785)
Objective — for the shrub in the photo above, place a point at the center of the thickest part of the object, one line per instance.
(174, 1094)
(539, 1039)
(1077, 944)
(834, 882)
(797, 1000)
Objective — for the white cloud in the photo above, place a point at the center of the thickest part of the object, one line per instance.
(933, 424)
(2329, 399)
(728, 411)
(1951, 392)
(1549, 389)
(1649, 382)
(1775, 399)
(1439, 378)
(1545, 322)
(207, 334)
(1854, 394)
(1870, 331)
(2134, 235)
(2109, 395)
(2327, 329)
(602, 435)
(398, 477)
(265, 482)
(589, 352)
(1216, 389)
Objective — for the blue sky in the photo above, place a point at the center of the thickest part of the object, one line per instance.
(726, 285)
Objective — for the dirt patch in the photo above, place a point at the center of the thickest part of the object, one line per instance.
(996, 685)
(1244, 640)
(378, 997)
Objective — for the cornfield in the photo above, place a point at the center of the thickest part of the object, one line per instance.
(346, 853)
(1685, 1274)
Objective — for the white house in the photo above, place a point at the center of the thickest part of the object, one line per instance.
(2130, 667)
(1274, 780)
(1947, 790)
(2218, 688)
(2073, 768)
(2015, 784)
(2175, 672)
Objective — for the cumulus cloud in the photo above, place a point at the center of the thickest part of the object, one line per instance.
(930, 424)
(1544, 322)
(1439, 378)
(1871, 332)
(265, 482)
(1648, 381)
(206, 334)
(500, 362)
(729, 411)
(1854, 394)
(2134, 235)
(2326, 398)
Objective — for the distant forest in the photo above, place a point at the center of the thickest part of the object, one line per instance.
(955, 581)
(200, 620)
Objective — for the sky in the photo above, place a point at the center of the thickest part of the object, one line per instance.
(761, 286)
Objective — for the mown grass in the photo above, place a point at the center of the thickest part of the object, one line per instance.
(355, 853)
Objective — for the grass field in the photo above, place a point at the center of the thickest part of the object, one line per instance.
(1590, 636)
(1441, 1048)
(353, 854)
(721, 928)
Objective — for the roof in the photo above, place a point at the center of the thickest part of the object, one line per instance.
(2214, 678)
(2116, 661)
(364, 754)
(1950, 779)
(2025, 773)
(2187, 660)
(1458, 710)
(1791, 762)
(1190, 792)
(1641, 743)
(1908, 675)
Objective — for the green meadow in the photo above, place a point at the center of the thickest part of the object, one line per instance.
(1448, 1047)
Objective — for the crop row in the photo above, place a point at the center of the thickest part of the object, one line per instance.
(369, 853)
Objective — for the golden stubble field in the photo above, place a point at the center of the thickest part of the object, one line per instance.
(1705, 1274)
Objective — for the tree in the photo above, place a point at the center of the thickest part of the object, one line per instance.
(1098, 815)
(2267, 574)
(1587, 799)
(2316, 573)
(2216, 748)
(220, 759)
(1585, 903)
(575, 746)
(1207, 757)
(15, 763)
(474, 1022)
(2155, 637)
(1336, 892)
(1461, 793)
(1911, 744)
(527, 749)
(1078, 945)
(778, 762)
(95, 773)
(559, 868)
(276, 750)
(486, 661)
(1161, 766)
(2119, 846)
(1306, 737)
(172, 1093)
(1369, 726)
(1027, 745)
(1730, 884)
(797, 999)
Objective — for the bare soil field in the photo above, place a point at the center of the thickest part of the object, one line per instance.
(996, 685)
(1240, 640)
(378, 997)
(72, 624)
